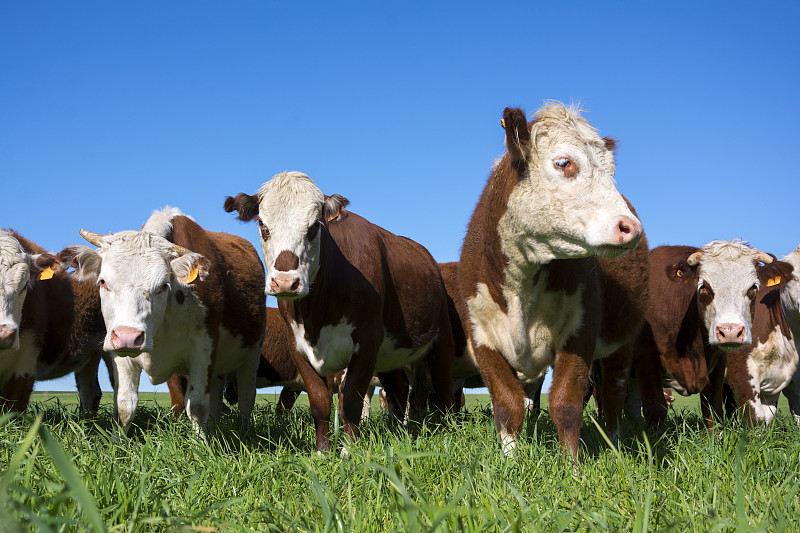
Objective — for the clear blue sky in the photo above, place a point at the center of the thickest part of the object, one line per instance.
(109, 110)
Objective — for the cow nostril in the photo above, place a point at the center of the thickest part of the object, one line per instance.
(139, 342)
(295, 285)
(624, 228)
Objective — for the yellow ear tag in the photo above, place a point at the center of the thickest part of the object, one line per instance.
(503, 123)
(771, 282)
(334, 216)
(47, 273)
(679, 273)
(192, 275)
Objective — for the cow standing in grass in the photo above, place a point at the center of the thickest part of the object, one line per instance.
(49, 327)
(528, 272)
(178, 299)
(356, 297)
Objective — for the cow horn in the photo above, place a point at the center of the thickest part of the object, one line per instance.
(94, 238)
(181, 250)
(694, 258)
(763, 257)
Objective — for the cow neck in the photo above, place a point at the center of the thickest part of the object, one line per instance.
(764, 323)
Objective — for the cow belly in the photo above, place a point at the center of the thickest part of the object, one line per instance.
(391, 356)
(177, 354)
(772, 364)
(232, 352)
(334, 349)
(532, 331)
(21, 362)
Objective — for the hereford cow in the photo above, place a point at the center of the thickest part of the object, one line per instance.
(528, 271)
(790, 299)
(50, 325)
(357, 297)
(177, 299)
(702, 306)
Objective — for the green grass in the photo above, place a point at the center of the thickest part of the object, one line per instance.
(61, 472)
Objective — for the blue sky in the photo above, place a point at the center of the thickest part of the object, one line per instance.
(111, 110)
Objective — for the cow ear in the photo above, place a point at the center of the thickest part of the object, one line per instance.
(190, 267)
(333, 208)
(246, 205)
(46, 265)
(518, 136)
(611, 144)
(682, 272)
(774, 274)
(86, 261)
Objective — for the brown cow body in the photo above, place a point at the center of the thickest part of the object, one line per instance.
(61, 332)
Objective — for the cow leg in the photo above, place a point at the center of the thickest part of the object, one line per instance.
(127, 373)
(246, 379)
(633, 401)
(650, 377)
(88, 385)
(533, 396)
(396, 392)
(216, 388)
(198, 394)
(505, 391)
(570, 384)
(286, 401)
(320, 393)
(365, 410)
(440, 365)
(711, 396)
(792, 393)
(615, 370)
(16, 393)
(177, 393)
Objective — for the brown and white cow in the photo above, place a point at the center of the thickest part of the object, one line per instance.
(790, 299)
(178, 299)
(528, 271)
(702, 305)
(357, 297)
(49, 327)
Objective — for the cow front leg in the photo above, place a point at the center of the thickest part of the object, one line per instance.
(505, 391)
(198, 395)
(396, 393)
(650, 378)
(570, 386)
(352, 391)
(176, 384)
(246, 379)
(127, 373)
(16, 393)
(440, 365)
(88, 385)
(615, 370)
(711, 396)
(286, 400)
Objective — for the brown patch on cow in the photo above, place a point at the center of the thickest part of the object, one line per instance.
(246, 205)
(286, 261)
(518, 136)
(610, 143)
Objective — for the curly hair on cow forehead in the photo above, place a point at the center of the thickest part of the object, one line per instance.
(732, 248)
(141, 240)
(290, 189)
(11, 251)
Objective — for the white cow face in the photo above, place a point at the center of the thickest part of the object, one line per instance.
(727, 285)
(567, 200)
(136, 272)
(289, 217)
(15, 273)
(790, 295)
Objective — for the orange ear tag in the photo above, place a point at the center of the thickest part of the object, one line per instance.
(679, 273)
(192, 275)
(47, 273)
(334, 216)
(771, 282)
(503, 123)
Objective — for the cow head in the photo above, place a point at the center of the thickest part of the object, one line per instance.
(790, 295)
(727, 275)
(566, 199)
(18, 271)
(137, 273)
(291, 212)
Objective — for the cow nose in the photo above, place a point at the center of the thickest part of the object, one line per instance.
(125, 338)
(628, 231)
(730, 333)
(285, 285)
(697, 385)
(7, 336)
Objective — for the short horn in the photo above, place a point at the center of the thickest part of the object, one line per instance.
(94, 238)
(763, 257)
(180, 250)
(695, 258)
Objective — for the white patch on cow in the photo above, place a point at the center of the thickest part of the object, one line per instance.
(509, 443)
(160, 222)
(772, 364)
(390, 356)
(20, 361)
(603, 349)
(333, 350)
(764, 412)
(550, 216)
(289, 204)
(535, 328)
(15, 275)
(729, 268)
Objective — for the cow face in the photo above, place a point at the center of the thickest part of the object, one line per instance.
(136, 272)
(566, 199)
(790, 295)
(15, 273)
(727, 285)
(291, 212)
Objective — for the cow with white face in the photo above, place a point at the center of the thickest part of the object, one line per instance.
(16, 269)
(356, 297)
(169, 310)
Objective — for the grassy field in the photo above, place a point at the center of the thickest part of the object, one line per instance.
(62, 472)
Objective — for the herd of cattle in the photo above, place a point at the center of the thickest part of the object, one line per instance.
(555, 271)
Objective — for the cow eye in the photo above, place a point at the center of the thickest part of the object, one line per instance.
(164, 287)
(263, 229)
(312, 231)
(561, 162)
(752, 291)
(102, 283)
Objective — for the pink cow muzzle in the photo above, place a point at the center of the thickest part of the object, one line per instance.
(127, 339)
(8, 336)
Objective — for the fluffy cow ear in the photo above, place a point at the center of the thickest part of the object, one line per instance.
(86, 261)
(190, 267)
(333, 209)
(775, 274)
(47, 265)
(518, 136)
(246, 205)
(611, 143)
